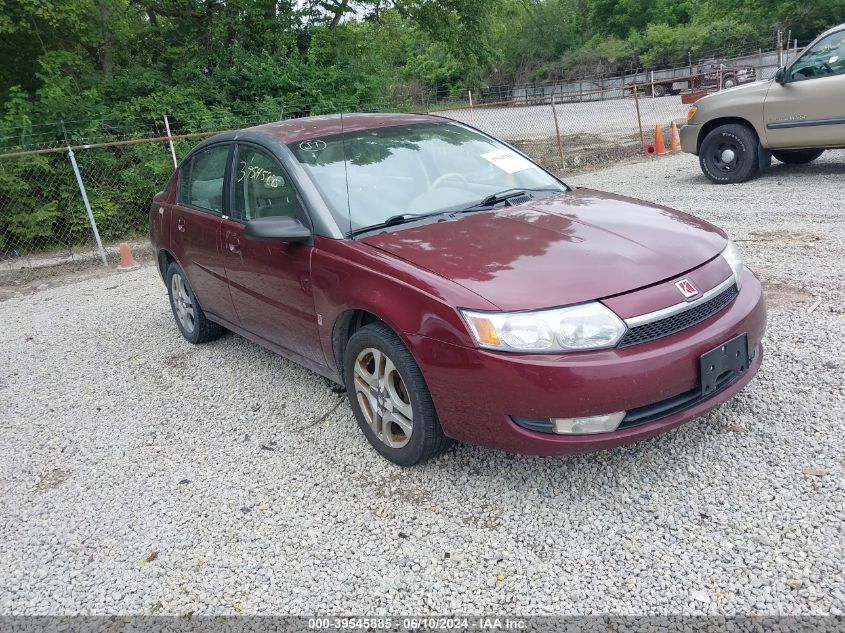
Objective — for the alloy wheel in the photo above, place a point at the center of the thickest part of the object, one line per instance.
(183, 303)
(383, 398)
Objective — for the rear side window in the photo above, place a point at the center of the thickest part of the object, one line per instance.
(203, 177)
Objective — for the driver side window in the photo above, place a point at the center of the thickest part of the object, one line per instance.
(262, 188)
(826, 58)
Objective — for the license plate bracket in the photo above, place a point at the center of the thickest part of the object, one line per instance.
(720, 365)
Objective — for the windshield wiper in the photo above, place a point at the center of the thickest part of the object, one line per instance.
(393, 220)
(500, 197)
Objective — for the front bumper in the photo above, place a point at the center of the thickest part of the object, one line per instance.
(689, 137)
(477, 392)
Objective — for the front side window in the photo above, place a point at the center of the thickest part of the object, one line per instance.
(262, 188)
(826, 57)
(419, 168)
(203, 177)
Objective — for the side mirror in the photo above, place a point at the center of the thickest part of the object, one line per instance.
(280, 229)
(780, 75)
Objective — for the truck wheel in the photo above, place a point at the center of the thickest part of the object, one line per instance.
(728, 82)
(797, 156)
(728, 154)
(659, 90)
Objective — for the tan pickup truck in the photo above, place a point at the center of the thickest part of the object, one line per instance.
(794, 116)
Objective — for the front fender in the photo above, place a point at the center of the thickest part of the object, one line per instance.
(350, 275)
(741, 104)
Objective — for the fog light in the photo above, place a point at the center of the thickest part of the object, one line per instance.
(587, 426)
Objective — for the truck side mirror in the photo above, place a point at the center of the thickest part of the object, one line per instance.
(780, 75)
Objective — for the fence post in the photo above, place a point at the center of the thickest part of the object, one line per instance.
(639, 118)
(471, 111)
(557, 131)
(85, 198)
(170, 140)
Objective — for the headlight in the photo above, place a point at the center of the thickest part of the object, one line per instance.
(733, 259)
(691, 112)
(574, 328)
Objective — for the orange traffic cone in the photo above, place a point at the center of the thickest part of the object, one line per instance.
(674, 139)
(127, 262)
(658, 140)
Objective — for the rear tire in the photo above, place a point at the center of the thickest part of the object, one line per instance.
(189, 315)
(660, 90)
(797, 156)
(390, 399)
(728, 154)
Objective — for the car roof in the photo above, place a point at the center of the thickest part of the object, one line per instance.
(293, 130)
(312, 127)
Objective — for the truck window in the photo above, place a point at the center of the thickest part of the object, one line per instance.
(827, 57)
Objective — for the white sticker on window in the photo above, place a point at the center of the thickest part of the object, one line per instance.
(507, 160)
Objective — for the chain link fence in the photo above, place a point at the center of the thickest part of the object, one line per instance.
(45, 227)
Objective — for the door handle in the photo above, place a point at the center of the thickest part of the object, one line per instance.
(233, 244)
(180, 225)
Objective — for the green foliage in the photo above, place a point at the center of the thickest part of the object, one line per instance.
(111, 69)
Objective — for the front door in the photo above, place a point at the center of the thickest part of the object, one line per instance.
(270, 281)
(807, 109)
(195, 223)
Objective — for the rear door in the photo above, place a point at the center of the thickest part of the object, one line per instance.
(808, 110)
(270, 281)
(195, 224)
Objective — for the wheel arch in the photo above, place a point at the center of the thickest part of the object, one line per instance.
(164, 258)
(350, 321)
(345, 325)
(718, 122)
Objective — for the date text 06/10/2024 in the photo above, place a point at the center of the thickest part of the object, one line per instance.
(417, 624)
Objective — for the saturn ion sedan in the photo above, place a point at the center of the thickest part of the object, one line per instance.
(455, 288)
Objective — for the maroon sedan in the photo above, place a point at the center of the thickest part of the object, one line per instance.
(455, 288)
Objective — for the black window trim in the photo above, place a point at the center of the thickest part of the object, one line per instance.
(230, 182)
(188, 162)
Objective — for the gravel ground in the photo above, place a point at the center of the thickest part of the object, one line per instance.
(139, 474)
(604, 121)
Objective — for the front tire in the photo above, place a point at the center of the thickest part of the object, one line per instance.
(390, 398)
(660, 90)
(728, 154)
(797, 156)
(189, 315)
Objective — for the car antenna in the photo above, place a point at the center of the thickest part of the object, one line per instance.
(345, 171)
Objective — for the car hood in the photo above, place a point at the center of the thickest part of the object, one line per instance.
(568, 248)
(749, 90)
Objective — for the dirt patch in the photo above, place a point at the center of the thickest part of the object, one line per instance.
(783, 236)
(52, 479)
(59, 270)
(581, 152)
(16, 283)
(779, 294)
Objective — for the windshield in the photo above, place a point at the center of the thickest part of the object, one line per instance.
(419, 169)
